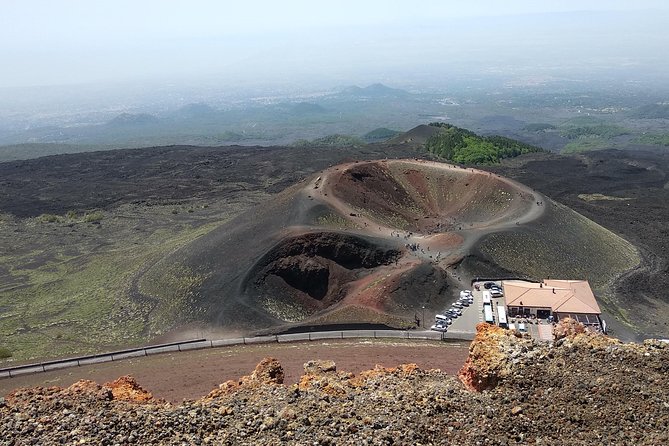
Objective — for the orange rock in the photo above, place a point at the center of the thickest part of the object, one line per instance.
(487, 362)
(267, 372)
(567, 327)
(323, 376)
(126, 388)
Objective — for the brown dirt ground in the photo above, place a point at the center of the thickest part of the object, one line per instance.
(191, 375)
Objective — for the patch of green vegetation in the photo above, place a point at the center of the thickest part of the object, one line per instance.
(465, 147)
(49, 218)
(660, 139)
(582, 120)
(289, 311)
(539, 127)
(591, 128)
(73, 307)
(331, 141)
(335, 221)
(652, 111)
(86, 302)
(5, 353)
(92, 217)
(71, 216)
(585, 145)
(601, 197)
(173, 287)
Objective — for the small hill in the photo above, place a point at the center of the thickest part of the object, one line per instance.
(380, 134)
(538, 127)
(331, 141)
(465, 147)
(196, 110)
(416, 137)
(125, 119)
(307, 108)
(652, 111)
(375, 91)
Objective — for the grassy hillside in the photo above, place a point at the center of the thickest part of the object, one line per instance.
(585, 251)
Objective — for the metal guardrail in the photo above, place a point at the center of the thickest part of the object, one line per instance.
(197, 344)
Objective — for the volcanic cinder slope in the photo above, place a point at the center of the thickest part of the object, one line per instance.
(371, 242)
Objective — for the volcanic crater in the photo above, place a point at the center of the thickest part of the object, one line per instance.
(372, 242)
(316, 266)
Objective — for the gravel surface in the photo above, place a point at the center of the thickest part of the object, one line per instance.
(192, 374)
(585, 389)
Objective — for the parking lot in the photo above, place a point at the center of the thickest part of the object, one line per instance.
(464, 326)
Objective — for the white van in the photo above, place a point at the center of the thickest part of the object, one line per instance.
(522, 328)
(465, 294)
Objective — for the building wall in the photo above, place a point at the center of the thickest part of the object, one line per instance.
(513, 310)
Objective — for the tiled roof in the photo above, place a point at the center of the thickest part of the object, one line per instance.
(562, 296)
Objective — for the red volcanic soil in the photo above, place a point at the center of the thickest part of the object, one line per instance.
(191, 375)
(425, 197)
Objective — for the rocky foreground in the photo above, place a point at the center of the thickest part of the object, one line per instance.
(583, 389)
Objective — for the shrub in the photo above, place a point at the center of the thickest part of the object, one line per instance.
(93, 217)
(48, 218)
(5, 353)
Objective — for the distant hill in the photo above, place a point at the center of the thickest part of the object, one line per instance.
(331, 141)
(307, 108)
(196, 110)
(132, 119)
(652, 111)
(375, 91)
(36, 150)
(538, 127)
(416, 137)
(380, 134)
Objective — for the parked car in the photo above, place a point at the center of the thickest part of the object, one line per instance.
(452, 313)
(439, 326)
(457, 305)
(489, 285)
(464, 302)
(465, 293)
(496, 293)
(457, 311)
(441, 318)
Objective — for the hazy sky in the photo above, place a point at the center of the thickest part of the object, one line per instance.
(46, 42)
